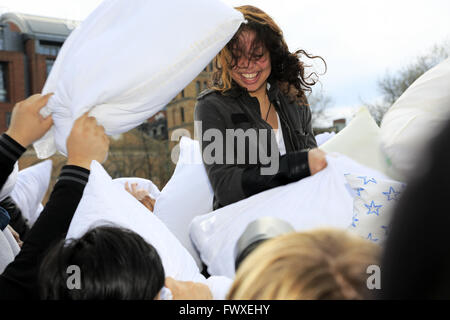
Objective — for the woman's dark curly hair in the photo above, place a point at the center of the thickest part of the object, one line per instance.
(287, 69)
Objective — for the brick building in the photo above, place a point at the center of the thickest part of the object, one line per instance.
(28, 48)
(180, 111)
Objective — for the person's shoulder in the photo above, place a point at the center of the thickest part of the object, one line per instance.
(208, 94)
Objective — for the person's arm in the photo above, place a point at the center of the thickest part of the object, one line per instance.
(307, 124)
(86, 142)
(10, 152)
(19, 280)
(27, 125)
(232, 182)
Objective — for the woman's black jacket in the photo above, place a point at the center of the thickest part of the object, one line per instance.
(233, 178)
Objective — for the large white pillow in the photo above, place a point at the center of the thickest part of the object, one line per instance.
(373, 206)
(324, 199)
(128, 59)
(415, 118)
(105, 202)
(360, 141)
(31, 185)
(187, 195)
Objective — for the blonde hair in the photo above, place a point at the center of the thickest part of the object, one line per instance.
(317, 265)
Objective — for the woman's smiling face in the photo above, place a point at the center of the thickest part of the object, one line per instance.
(253, 67)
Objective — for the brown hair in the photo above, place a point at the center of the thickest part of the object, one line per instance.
(317, 265)
(287, 69)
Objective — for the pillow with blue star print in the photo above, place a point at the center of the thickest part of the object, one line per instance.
(373, 206)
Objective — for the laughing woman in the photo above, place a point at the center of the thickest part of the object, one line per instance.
(259, 87)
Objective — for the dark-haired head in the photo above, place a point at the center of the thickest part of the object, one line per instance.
(113, 263)
(267, 41)
(416, 260)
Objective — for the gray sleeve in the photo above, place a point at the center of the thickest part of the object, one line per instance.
(226, 180)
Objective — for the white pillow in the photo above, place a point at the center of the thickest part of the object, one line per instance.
(10, 183)
(415, 118)
(31, 186)
(373, 205)
(6, 253)
(360, 140)
(187, 195)
(317, 201)
(128, 59)
(107, 203)
(141, 184)
(324, 137)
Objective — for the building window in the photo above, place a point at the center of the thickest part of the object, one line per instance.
(182, 114)
(8, 118)
(174, 115)
(3, 82)
(199, 86)
(211, 66)
(205, 85)
(49, 48)
(49, 65)
(182, 93)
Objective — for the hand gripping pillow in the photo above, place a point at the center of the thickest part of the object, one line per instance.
(317, 201)
(187, 195)
(31, 185)
(128, 59)
(373, 206)
(141, 184)
(107, 203)
(359, 140)
(415, 118)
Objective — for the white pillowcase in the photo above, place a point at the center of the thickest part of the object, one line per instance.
(374, 203)
(10, 183)
(321, 200)
(128, 59)
(324, 137)
(31, 185)
(415, 118)
(360, 140)
(107, 203)
(187, 194)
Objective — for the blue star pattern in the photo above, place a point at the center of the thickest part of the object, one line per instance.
(358, 191)
(367, 180)
(354, 220)
(371, 238)
(392, 194)
(373, 208)
(386, 229)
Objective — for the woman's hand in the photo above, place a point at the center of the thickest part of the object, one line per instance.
(27, 124)
(317, 160)
(87, 141)
(141, 195)
(187, 290)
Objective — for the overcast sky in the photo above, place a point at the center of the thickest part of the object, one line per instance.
(359, 39)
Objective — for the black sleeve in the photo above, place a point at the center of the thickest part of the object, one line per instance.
(232, 183)
(10, 152)
(311, 142)
(19, 280)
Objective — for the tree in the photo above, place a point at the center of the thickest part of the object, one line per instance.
(319, 103)
(392, 87)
